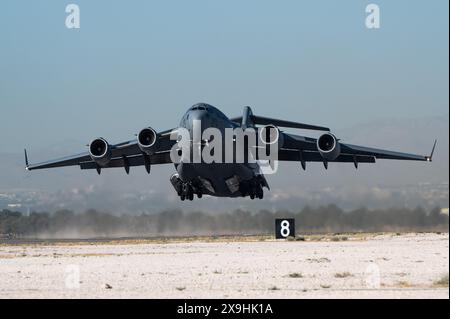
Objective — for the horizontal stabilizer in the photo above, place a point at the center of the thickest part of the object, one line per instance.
(281, 123)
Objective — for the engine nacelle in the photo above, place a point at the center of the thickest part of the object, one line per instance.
(147, 140)
(100, 151)
(328, 146)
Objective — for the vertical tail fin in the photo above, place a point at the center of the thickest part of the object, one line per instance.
(247, 117)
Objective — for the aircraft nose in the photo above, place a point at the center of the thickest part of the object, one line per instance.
(199, 117)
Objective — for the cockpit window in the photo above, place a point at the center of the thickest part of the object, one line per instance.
(200, 106)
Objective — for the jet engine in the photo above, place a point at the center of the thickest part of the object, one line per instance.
(100, 151)
(147, 140)
(328, 146)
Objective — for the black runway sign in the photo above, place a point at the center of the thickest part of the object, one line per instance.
(284, 228)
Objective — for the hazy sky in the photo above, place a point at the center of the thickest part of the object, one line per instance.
(138, 63)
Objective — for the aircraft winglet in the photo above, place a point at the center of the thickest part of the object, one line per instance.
(430, 158)
(26, 159)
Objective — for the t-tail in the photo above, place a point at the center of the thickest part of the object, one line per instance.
(248, 119)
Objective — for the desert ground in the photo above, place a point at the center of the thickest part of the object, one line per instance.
(319, 266)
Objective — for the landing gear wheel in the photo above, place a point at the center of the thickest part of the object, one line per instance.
(259, 193)
(186, 192)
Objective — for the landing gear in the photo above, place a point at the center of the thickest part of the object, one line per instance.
(186, 190)
(252, 188)
(260, 193)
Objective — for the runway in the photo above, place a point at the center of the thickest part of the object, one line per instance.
(320, 266)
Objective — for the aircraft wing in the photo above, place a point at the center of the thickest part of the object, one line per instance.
(304, 149)
(124, 155)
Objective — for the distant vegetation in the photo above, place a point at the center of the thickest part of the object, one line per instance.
(330, 219)
(442, 282)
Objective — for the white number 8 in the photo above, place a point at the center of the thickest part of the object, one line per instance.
(285, 231)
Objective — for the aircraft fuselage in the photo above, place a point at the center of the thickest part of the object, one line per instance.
(216, 179)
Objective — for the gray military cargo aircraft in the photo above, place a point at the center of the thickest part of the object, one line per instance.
(222, 179)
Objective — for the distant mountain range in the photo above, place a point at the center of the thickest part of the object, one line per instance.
(385, 184)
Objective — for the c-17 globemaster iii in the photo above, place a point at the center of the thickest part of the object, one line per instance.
(239, 176)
